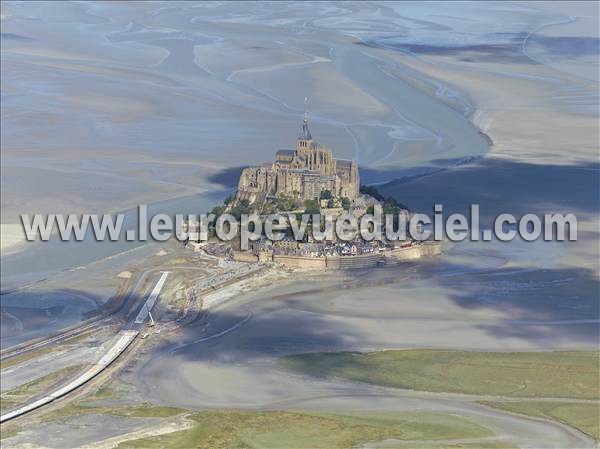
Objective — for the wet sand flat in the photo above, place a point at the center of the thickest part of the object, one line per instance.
(474, 104)
(137, 99)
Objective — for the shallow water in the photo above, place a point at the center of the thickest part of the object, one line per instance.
(43, 259)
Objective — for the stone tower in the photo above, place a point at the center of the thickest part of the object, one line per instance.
(302, 173)
(313, 156)
(305, 137)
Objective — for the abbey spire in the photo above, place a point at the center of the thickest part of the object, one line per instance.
(305, 137)
(305, 133)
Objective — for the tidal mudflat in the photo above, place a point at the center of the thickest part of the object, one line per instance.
(105, 105)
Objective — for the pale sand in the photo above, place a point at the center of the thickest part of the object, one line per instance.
(12, 238)
(538, 114)
(153, 430)
(140, 107)
(524, 121)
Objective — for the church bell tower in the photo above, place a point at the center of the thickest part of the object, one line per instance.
(304, 138)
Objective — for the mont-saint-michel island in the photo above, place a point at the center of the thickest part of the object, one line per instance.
(299, 225)
(310, 180)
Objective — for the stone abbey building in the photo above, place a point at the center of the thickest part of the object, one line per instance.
(301, 173)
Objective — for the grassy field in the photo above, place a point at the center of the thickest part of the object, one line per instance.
(293, 430)
(9, 431)
(482, 445)
(73, 409)
(582, 416)
(282, 429)
(515, 374)
(135, 411)
(23, 393)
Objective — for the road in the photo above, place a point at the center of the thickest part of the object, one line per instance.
(119, 344)
(147, 307)
(130, 330)
(123, 301)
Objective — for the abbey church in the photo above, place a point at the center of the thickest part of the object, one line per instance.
(301, 173)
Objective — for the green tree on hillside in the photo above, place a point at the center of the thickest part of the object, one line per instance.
(326, 195)
(371, 191)
(346, 203)
(243, 207)
(312, 207)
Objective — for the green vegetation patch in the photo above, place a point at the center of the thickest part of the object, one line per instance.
(516, 374)
(584, 416)
(136, 411)
(294, 430)
(103, 393)
(9, 430)
(146, 411)
(479, 445)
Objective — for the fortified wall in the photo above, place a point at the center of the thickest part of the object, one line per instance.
(344, 262)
